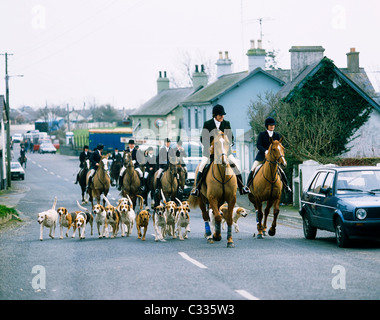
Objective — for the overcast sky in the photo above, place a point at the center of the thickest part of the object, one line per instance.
(110, 51)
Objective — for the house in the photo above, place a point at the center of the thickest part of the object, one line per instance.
(307, 61)
(162, 117)
(236, 92)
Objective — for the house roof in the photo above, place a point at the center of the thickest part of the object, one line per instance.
(163, 102)
(223, 85)
(358, 81)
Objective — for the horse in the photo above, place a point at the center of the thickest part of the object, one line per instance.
(181, 171)
(100, 182)
(22, 159)
(220, 187)
(169, 181)
(131, 179)
(115, 171)
(267, 186)
(82, 179)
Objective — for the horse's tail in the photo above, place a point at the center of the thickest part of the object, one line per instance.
(193, 201)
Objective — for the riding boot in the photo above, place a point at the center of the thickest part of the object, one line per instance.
(77, 180)
(89, 183)
(249, 179)
(284, 180)
(196, 191)
(142, 184)
(158, 186)
(120, 183)
(242, 188)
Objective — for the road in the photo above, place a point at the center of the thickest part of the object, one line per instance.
(286, 266)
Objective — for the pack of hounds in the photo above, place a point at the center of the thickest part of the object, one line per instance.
(169, 218)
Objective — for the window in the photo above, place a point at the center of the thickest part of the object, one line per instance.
(196, 118)
(316, 185)
(204, 114)
(189, 118)
(329, 180)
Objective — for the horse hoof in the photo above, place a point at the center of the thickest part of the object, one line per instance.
(210, 240)
(260, 236)
(217, 237)
(272, 232)
(230, 245)
(264, 233)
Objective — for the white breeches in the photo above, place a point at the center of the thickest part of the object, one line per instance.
(256, 164)
(137, 169)
(231, 159)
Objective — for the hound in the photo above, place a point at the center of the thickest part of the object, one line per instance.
(48, 219)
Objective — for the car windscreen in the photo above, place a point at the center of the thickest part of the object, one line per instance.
(358, 181)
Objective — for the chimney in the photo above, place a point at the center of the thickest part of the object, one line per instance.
(162, 82)
(224, 66)
(256, 56)
(303, 56)
(200, 78)
(353, 61)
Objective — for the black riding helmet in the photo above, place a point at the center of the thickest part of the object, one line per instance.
(269, 121)
(100, 146)
(218, 110)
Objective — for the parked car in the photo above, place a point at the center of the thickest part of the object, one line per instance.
(47, 147)
(17, 137)
(17, 172)
(344, 200)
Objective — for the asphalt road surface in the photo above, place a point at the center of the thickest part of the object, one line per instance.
(286, 266)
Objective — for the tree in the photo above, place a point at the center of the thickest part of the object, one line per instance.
(307, 136)
(319, 119)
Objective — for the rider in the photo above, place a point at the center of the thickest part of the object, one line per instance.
(217, 122)
(95, 158)
(263, 143)
(135, 157)
(116, 156)
(150, 163)
(179, 152)
(22, 154)
(163, 162)
(84, 155)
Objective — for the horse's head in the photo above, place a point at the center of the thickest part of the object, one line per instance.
(220, 147)
(276, 152)
(128, 159)
(104, 162)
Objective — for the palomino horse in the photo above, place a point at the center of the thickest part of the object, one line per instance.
(100, 182)
(220, 186)
(131, 179)
(82, 179)
(267, 186)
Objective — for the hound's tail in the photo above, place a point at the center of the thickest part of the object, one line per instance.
(141, 201)
(55, 202)
(193, 202)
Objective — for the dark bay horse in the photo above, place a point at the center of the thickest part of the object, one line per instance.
(115, 171)
(100, 182)
(267, 186)
(220, 187)
(82, 179)
(131, 179)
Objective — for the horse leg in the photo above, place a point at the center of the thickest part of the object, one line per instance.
(266, 213)
(218, 218)
(259, 209)
(276, 211)
(228, 218)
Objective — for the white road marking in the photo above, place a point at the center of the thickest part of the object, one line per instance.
(193, 261)
(46, 169)
(52, 173)
(246, 295)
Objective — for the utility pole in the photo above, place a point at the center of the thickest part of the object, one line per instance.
(7, 111)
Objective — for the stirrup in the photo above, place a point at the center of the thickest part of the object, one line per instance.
(244, 190)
